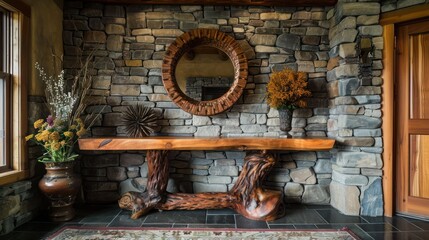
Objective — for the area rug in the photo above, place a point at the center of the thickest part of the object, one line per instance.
(92, 233)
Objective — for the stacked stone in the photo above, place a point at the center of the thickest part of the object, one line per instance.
(130, 43)
(19, 204)
(355, 113)
(390, 5)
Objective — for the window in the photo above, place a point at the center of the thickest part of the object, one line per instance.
(14, 55)
(4, 88)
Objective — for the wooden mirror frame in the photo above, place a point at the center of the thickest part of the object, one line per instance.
(212, 38)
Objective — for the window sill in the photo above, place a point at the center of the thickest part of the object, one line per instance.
(13, 176)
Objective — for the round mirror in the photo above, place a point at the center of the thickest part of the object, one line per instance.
(204, 71)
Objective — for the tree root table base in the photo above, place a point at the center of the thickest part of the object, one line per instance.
(247, 197)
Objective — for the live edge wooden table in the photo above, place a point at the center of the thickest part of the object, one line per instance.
(247, 196)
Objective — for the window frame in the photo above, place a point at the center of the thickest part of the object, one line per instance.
(17, 69)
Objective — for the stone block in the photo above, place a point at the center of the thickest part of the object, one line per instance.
(347, 50)
(303, 175)
(167, 32)
(345, 198)
(358, 122)
(114, 11)
(304, 156)
(130, 159)
(115, 29)
(136, 19)
(358, 159)
(100, 161)
(94, 37)
(358, 8)
(316, 194)
(224, 171)
(207, 131)
(125, 90)
(176, 114)
(104, 63)
(346, 36)
(347, 179)
(293, 189)
(345, 170)
(374, 30)
(323, 166)
(141, 54)
(253, 128)
(219, 179)
(201, 120)
(129, 186)
(179, 129)
(116, 173)
(289, 41)
(263, 39)
(226, 121)
(205, 187)
(367, 20)
(10, 206)
(247, 118)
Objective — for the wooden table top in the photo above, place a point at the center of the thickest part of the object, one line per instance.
(206, 143)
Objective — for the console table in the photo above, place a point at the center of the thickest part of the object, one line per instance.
(247, 197)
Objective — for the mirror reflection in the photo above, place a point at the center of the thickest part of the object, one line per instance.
(204, 73)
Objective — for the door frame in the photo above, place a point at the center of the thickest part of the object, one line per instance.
(389, 21)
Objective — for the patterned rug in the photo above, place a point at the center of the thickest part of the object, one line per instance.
(87, 233)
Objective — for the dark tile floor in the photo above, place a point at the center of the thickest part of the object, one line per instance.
(297, 217)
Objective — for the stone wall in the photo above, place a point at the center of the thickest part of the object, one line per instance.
(355, 109)
(390, 5)
(195, 85)
(131, 40)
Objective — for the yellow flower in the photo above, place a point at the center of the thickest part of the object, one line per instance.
(55, 146)
(63, 143)
(81, 132)
(38, 123)
(73, 127)
(54, 136)
(68, 134)
(43, 136)
(29, 137)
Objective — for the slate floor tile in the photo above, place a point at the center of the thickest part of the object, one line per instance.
(302, 216)
(333, 216)
(243, 222)
(197, 216)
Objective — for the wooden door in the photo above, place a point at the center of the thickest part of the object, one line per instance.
(412, 119)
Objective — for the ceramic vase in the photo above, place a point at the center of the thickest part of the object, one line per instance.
(60, 185)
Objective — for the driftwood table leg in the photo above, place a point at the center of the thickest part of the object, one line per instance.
(141, 203)
(247, 197)
(252, 201)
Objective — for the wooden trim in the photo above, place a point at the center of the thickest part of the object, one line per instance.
(387, 109)
(19, 75)
(206, 143)
(288, 3)
(16, 5)
(212, 38)
(388, 20)
(404, 15)
(13, 176)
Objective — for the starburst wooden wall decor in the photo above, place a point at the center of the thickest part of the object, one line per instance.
(139, 121)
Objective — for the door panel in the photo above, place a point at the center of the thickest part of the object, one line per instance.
(412, 119)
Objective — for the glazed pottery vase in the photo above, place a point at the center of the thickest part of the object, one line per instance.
(61, 186)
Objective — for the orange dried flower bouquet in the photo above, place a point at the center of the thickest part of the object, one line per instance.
(286, 89)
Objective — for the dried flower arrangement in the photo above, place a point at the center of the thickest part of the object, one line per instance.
(139, 121)
(60, 131)
(286, 89)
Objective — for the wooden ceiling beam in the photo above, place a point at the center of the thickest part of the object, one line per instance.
(285, 3)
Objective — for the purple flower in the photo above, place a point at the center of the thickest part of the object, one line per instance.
(50, 120)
